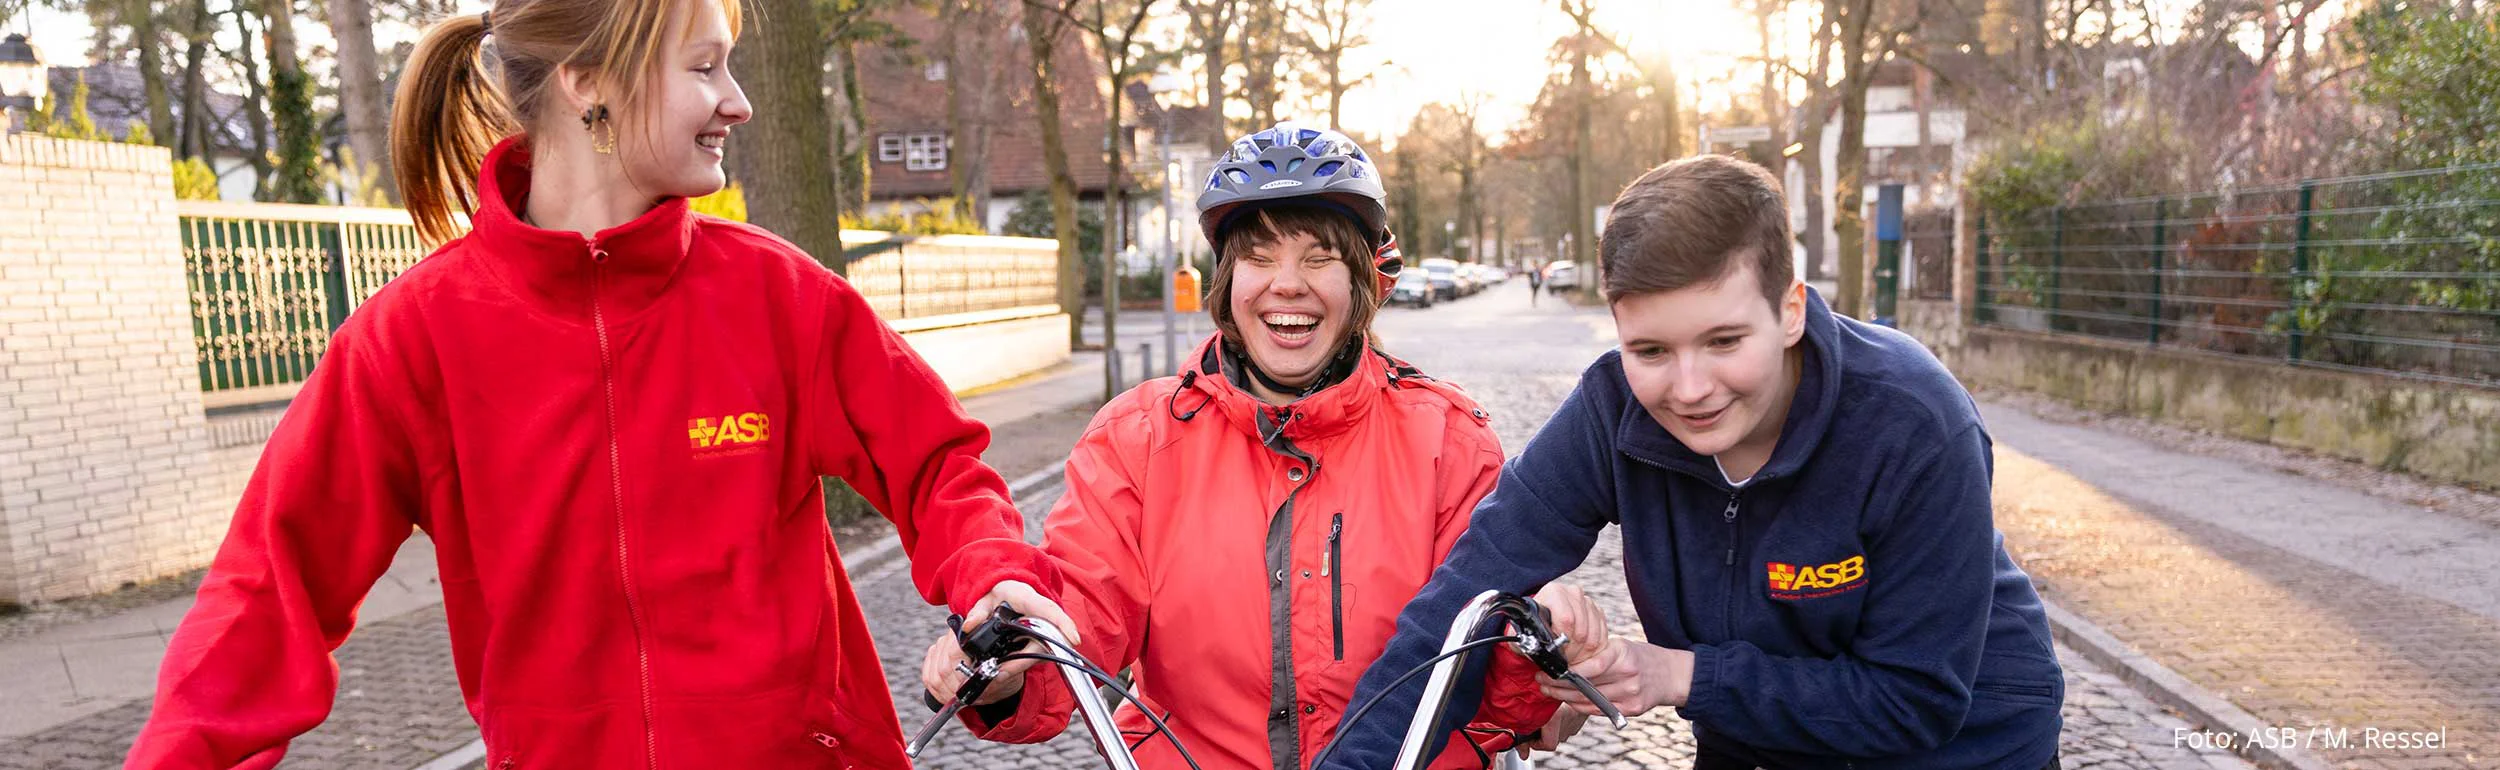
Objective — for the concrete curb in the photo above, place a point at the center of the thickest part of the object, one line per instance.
(2207, 709)
(863, 559)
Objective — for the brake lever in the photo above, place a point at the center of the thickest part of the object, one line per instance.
(1543, 647)
(984, 646)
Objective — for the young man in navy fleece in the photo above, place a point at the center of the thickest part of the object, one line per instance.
(1805, 510)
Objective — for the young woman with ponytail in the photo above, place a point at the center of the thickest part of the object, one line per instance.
(609, 414)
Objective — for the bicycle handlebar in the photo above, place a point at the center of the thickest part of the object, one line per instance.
(1537, 642)
(1001, 638)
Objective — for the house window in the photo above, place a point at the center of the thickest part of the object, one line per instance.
(935, 71)
(925, 152)
(890, 148)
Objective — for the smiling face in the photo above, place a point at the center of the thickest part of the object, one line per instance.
(674, 149)
(1292, 298)
(1287, 278)
(1712, 363)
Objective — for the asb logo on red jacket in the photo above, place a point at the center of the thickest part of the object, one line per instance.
(728, 434)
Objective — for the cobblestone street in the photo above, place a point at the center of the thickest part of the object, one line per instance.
(400, 709)
(1519, 362)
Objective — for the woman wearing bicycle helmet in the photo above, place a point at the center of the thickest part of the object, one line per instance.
(1243, 535)
(609, 414)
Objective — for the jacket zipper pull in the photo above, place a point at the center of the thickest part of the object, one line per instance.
(1730, 516)
(1328, 560)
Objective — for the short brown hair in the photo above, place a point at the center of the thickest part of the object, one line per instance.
(1333, 228)
(1688, 222)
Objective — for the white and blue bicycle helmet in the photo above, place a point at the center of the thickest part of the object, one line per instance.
(1293, 162)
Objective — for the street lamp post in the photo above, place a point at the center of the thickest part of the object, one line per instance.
(1165, 82)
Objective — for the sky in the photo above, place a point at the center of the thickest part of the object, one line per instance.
(1449, 50)
(1434, 50)
(1422, 51)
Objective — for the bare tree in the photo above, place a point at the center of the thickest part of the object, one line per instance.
(1114, 28)
(1210, 30)
(1465, 152)
(1263, 50)
(1863, 45)
(191, 138)
(1327, 30)
(1581, 45)
(1813, 113)
(290, 100)
(360, 93)
(851, 29)
(971, 53)
(1045, 23)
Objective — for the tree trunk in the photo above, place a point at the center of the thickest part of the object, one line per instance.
(290, 102)
(192, 138)
(1583, 250)
(144, 34)
(970, 72)
(1114, 208)
(846, 126)
(255, 106)
(1773, 107)
(1336, 91)
(1810, 156)
(1041, 35)
(360, 93)
(1262, 42)
(789, 188)
(1671, 114)
(1848, 222)
(1810, 161)
(851, 153)
(1213, 34)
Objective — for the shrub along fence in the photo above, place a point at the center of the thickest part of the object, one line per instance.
(2395, 273)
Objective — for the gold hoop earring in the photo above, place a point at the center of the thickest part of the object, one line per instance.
(592, 120)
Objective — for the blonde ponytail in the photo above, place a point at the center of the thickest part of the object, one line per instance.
(449, 112)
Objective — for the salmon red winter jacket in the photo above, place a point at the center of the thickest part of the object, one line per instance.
(614, 443)
(1248, 561)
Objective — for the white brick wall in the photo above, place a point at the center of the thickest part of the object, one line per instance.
(107, 473)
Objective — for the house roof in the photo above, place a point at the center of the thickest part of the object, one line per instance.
(117, 98)
(902, 99)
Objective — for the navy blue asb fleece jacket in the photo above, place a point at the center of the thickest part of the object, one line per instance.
(1852, 605)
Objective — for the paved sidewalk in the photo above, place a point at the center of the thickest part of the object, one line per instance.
(73, 671)
(2304, 603)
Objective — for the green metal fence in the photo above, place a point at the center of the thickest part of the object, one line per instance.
(2393, 273)
(269, 281)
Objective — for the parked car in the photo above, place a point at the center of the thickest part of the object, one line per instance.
(1561, 275)
(1443, 272)
(1414, 287)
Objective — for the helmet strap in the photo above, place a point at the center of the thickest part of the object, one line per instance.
(1339, 368)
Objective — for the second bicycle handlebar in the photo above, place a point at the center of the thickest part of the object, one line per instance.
(1537, 643)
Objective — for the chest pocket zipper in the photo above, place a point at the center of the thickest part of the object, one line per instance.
(1333, 568)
